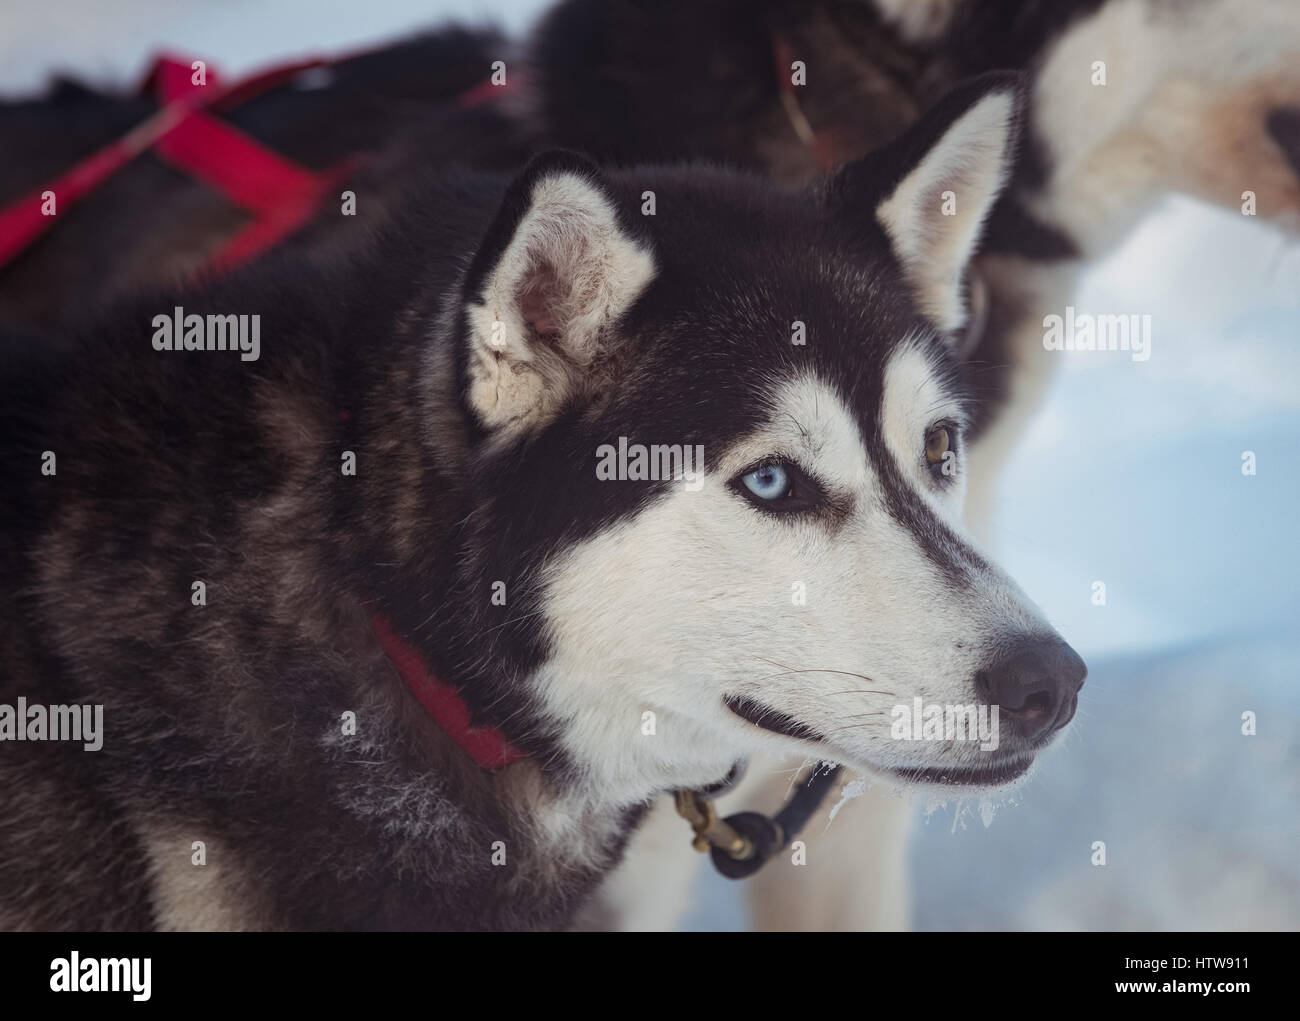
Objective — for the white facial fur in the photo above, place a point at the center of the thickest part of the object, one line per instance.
(691, 600)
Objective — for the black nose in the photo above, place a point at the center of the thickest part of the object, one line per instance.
(1035, 681)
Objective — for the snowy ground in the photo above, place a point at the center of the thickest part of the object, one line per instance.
(1131, 476)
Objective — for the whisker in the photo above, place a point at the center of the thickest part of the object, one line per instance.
(814, 670)
(862, 691)
(847, 726)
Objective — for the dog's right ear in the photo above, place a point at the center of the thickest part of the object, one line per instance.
(553, 275)
(931, 190)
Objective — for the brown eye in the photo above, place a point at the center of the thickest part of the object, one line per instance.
(937, 443)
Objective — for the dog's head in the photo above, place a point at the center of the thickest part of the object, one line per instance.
(720, 465)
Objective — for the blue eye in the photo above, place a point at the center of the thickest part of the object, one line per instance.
(781, 487)
(768, 482)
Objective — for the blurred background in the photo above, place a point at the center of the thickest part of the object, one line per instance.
(1131, 475)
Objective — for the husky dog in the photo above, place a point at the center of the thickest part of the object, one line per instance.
(219, 552)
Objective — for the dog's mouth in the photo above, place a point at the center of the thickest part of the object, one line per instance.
(770, 719)
(994, 774)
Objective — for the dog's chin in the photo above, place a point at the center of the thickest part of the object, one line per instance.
(994, 775)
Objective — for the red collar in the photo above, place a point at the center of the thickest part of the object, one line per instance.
(485, 745)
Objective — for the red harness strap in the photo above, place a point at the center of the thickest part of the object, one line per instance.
(23, 221)
(485, 745)
(280, 194)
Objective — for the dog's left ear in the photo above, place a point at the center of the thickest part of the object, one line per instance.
(555, 272)
(931, 190)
